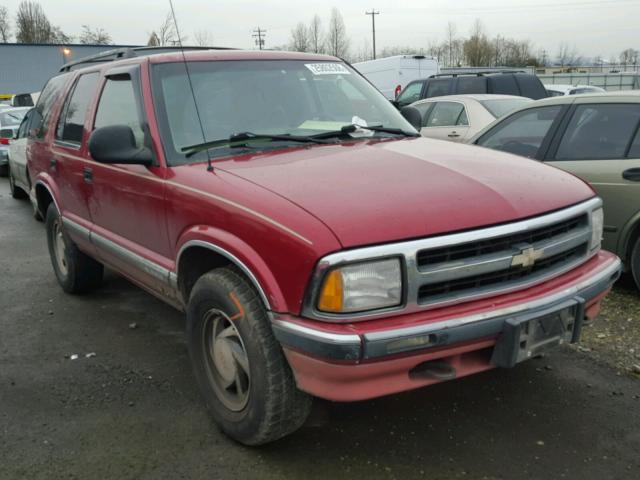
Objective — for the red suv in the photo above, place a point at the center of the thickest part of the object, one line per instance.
(317, 244)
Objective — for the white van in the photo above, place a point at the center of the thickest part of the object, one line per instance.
(390, 75)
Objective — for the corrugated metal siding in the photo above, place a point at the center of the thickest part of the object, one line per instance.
(609, 81)
(26, 68)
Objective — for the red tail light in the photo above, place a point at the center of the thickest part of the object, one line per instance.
(398, 90)
(4, 141)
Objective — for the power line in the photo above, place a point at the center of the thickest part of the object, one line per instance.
(373, 14)
(258, 34)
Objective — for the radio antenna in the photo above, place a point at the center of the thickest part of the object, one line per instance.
(193, 93)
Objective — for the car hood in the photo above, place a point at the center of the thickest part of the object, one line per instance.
(374, 192)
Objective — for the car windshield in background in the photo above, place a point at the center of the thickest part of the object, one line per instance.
(11, 118)
(500, 107)
(274, 97)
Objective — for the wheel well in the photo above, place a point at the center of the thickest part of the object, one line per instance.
(44, 198)
(195, 262)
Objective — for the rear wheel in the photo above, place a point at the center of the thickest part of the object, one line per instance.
(16, 192)
(76, 272)
(241, 370)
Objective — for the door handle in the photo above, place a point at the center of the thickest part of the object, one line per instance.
(632, 174)
(453, 135)
(87, 173)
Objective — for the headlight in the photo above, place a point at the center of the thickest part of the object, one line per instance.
(363, 286)
(597, 226)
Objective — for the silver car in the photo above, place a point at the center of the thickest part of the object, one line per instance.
(19, 181)
(10, 120)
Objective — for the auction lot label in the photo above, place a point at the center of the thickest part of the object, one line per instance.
(327, 68)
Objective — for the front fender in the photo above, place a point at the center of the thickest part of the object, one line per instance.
(241, 254)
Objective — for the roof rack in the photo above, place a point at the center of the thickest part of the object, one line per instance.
(475, 74)
(129, 52)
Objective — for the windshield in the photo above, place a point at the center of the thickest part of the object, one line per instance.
(273, 97)
(11, 118)
(501, 107)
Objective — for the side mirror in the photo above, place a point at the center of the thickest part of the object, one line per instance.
(413, 116)
(117, 144)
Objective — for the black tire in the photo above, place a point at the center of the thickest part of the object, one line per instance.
(16, 192)
(634, 261)
(223, 301)
(76, 272)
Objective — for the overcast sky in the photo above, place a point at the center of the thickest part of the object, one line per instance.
(602, 27)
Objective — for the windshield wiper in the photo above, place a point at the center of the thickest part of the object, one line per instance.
(241, 139)
(347, 129)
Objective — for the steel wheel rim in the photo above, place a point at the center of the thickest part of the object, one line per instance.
(227, 360)
(60, 248)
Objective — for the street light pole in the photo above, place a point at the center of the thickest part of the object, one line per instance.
(373, 14)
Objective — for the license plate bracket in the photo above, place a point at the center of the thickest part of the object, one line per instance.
(528, 335)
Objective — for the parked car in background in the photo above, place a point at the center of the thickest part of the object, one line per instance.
(390, 75)
(459, 117)
(558, 90)
(19, 182)
(594, 136)
(313, 255)
(10, 119)
(501, 83)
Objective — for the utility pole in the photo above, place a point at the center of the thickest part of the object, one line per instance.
(258, 34)
(373, 14)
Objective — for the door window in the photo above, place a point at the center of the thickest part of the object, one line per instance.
(71, 123)
(523, 132)
(599, 131)
(24, 126)
(43, 108)
(410, 94)
(447, 114)
(634, 150)
(118, 106)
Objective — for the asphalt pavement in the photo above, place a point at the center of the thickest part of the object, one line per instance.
(128, 406)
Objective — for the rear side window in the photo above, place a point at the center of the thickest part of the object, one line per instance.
(471, 85)
(599, 132)
(410, 94)
(503, 85)
(530, 86)
(48, 97)
(71, 123)
(118, 106)
(447, 114)
(523, 132)
(438, 87)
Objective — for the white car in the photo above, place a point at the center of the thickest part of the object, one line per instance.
(19, 182)
(558, 90)
(10, 119)
(457, 118)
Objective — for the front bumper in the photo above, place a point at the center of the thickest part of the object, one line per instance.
(323, 355)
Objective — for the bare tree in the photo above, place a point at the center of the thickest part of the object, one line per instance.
(629, 57)
(95, 36)
(300, 38)
(32, 25)
(5, 26)
(451, 41)
(477, 48)
(337, 40)
(316, 39)
(165, 34)
(568, 56)
(203, 38)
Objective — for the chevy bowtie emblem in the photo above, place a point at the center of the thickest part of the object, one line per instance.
(527, 257)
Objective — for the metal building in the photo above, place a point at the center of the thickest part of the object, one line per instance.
(25, 67)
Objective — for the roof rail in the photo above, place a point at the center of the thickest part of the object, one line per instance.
(476, 74)
(129, 52)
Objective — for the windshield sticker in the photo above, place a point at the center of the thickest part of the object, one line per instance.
(327, 68)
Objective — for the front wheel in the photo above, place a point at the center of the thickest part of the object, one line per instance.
(246, 381)
(76, 272)
(634, 261)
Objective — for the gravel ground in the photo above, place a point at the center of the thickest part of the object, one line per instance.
(133, 411)
(614, 339)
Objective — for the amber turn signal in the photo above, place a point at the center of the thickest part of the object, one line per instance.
(331, 297)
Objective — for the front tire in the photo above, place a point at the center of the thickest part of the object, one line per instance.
(76, 272)
(634, 261)
(241, 370)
